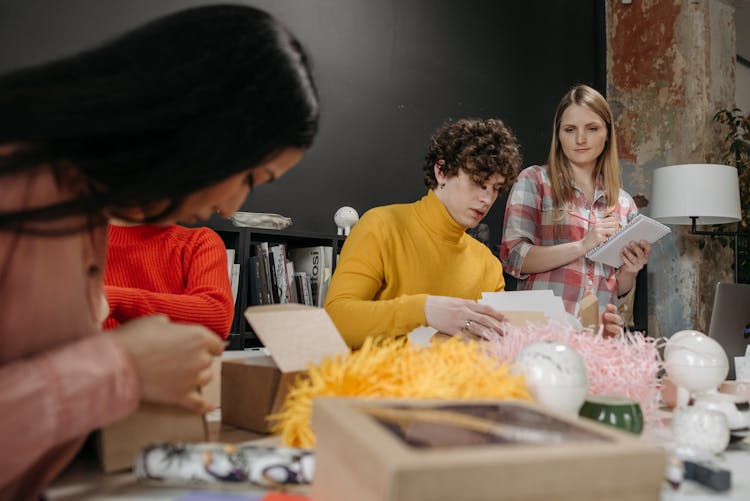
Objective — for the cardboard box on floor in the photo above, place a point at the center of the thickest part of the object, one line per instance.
(490, 451)
(119, 443)
(296, 336)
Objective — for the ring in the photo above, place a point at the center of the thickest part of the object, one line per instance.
(467, 325)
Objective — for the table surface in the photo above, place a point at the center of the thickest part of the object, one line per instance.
(84, 481)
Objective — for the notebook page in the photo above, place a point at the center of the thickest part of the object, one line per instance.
(640, 228)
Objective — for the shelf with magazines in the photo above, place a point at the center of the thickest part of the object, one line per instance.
(275, 266)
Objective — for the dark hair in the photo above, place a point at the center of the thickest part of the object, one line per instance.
(174, 106)
(480, 147)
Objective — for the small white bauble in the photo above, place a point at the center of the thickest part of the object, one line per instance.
(695, 362)
(345, 218)
(555, 375)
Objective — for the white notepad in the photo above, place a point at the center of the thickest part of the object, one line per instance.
(640, 228)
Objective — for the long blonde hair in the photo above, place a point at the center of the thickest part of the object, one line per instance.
(607, 165)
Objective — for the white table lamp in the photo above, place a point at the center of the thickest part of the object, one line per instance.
(704, 193)
(693, 194)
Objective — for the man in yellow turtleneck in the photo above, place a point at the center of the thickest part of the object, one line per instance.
(408, 265)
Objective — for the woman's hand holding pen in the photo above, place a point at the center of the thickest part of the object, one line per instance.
(454, 316)
(599, 231)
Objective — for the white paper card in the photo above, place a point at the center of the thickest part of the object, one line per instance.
(534, 300)
(421, 335)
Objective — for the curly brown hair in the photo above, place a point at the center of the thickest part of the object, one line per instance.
(482, 148)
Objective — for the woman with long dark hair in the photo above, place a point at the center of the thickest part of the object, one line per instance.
(173, 121)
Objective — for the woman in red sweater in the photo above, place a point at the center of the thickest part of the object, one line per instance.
(178, 271)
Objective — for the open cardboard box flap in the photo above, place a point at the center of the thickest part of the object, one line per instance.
(256, 386)
(296, 335)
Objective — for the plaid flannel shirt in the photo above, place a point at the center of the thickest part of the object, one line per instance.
(530, 220)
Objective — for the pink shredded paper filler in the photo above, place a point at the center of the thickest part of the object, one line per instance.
(626, 366)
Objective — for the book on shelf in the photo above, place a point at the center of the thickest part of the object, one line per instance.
(313, 261)
(255, 281)
(277, 260)
(304, 291)
(291, 289)
(261, 250)
(230, 260)
(234, 273)
(235, 281)
(327, 272)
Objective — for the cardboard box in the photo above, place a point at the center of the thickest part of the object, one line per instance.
(295, 335)
(589, 312)
(120, 442)
(493, 450)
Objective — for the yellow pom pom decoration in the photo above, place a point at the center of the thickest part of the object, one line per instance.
(393, 368)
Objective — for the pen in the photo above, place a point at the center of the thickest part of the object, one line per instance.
(575, 214)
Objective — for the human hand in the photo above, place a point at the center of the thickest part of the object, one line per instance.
(635, 256)
(172, 360)
(454, 316)
(611, 321)
(600, 231)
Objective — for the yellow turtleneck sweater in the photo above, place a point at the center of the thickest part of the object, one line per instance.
(394, 258)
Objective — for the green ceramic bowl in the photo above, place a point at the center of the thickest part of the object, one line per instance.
(618, 412)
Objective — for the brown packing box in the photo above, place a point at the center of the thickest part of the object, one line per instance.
(589, 308)
(295, 336)
(120, 442)
(358, 457)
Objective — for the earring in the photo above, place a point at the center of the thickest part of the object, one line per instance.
(442, 185)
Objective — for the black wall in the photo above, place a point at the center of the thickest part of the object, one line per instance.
(389, 72)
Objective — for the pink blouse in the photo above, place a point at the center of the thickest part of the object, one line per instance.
(61, 377)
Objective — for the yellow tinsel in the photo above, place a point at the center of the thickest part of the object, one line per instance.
(395, 369)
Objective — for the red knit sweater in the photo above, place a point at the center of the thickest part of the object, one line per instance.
(174, 270)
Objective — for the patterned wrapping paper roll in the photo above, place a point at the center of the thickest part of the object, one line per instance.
(209, 462)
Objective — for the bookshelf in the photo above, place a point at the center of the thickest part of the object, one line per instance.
(242, 240)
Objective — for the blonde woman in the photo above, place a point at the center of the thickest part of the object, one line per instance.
(559, 211)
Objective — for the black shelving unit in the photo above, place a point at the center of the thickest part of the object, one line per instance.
(242, 239)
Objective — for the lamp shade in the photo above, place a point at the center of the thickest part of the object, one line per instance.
(709, 192)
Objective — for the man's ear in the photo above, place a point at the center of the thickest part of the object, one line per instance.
(439, 174)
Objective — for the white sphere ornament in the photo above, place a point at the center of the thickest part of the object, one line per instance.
(555, 375)
(345, 218)
(695, 363)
